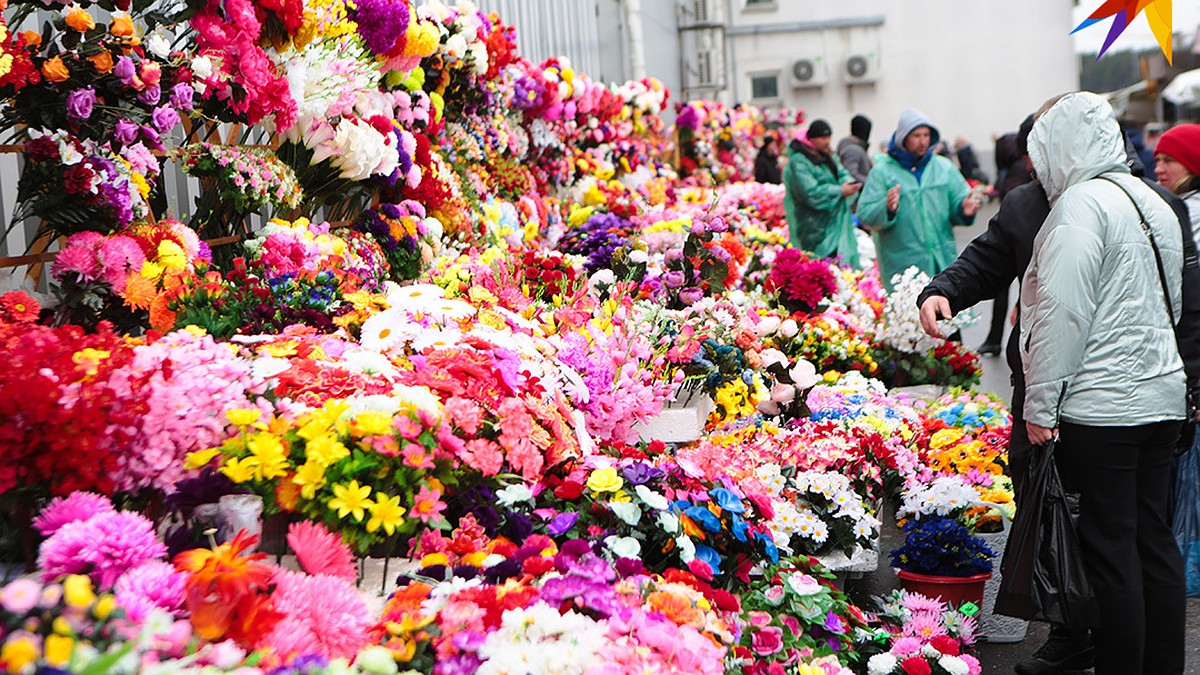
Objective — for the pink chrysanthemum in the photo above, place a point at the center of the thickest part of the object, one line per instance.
(78, 256)
(152, 585)
(75, 507)
(915, 602)
(119, 256)
(320, 551)
(103, 547)
(924, 626)
(906, 646)
(322, 615)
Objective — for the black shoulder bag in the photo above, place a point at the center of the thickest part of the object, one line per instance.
(1188, 434)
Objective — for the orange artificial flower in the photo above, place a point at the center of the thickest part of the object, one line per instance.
(78, 19)
(227, 591)
(102, 61)
(139, 291)
(32, 38)
(676, 608)
(55, 70)
(121, 26)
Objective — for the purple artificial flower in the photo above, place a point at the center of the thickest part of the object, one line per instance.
(152, 137)
(150, 95)
(835, 623)
(125, 70)
(673, 279)
(721, 254)
(691, 295)
(717, 224)
(125, 132)
(563, 523)
(640, 473)
(80, 103)
(381, 23)
(468, 641)
(183, 97)
(165, 118)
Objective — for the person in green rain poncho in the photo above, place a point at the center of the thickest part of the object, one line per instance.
(817, 198)
(911, 200)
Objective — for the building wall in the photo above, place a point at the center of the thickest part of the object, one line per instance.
(945, 57)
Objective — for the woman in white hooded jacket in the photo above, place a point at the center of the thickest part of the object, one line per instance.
(1103, 373)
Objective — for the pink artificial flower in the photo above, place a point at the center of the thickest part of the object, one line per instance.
(320, 551)
(924, 626)
(427, 505)
(76, 506)
(78, 256)
(484, 455)
(906, 646)
(20, 596)
(464, 413)
(103, 547)
(321, 615)
(153, 585)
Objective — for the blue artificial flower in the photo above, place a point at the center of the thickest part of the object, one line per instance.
(727, 500)
(740, 528)
(769, 547)
(707, 519)
(709, 556)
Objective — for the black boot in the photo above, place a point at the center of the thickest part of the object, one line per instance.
(1064, 651)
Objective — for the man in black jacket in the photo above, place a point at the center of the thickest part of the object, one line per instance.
(990, 263)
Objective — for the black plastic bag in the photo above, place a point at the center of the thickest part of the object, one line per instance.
(1042, 576)
(1187, 517)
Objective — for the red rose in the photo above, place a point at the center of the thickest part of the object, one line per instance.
(569, 490)
(916, 665)
(769, 641)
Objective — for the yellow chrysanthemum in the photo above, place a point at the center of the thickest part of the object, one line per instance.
(171, 256)
(325, 450)
(371, 423)
(269, 451)
(310, 477)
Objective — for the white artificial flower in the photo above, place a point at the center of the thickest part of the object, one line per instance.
(651, 498)
(448, 309)
(783, 393)
(638, 256)
(882, 664)
(387, 330)
(669, 522)
(802, 584)
(158, 45)
(629, 512)
(380, 403)
(687, 548)
(420, 398)
(804, 374)
(771, 356)
(436, 338)
(623, 547)
(953, 665)
(767, 325)
(789, 328)
(266, 367)
(412, 294)
(202, 67)
(514, 494)
(362, 150)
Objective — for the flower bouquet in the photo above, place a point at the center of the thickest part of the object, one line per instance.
(800, 283)
(242, 181)
(795, 612)
(917, 634)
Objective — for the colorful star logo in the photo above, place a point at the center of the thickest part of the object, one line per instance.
(1158, 14)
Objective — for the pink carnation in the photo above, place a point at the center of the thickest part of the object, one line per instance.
(321, 614)
(77, 506)
(150, 586)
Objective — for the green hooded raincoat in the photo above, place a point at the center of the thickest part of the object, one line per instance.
(931, 195)
(818, 215)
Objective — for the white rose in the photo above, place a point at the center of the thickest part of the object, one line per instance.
(771, 356)
(789, 328)
(651, 498)
(783, 393)
(623, 547)
(767, 326)
(638, 256)
(804, 374)
(158, 45)
(669, 522)
(514, 494)
(628, 512)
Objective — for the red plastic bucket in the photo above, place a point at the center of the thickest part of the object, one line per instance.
(951, 590)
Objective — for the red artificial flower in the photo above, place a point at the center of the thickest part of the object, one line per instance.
(945, 645)
(19, 307)
(916, 665)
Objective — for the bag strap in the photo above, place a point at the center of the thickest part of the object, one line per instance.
(1162, 274)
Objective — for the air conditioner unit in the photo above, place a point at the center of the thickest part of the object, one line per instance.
(809, 72)
(704, 69)
(859, 68)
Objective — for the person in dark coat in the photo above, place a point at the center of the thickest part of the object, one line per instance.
(766, 164)
(1012, 160)
(968, 163)
(852, 150)
(991, 262)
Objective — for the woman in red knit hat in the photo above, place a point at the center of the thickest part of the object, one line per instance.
(1177, 166)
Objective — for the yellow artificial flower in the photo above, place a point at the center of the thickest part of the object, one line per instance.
(18, 654)
(325, 450)
(310, 476)
(240, 470)
(58, 650)
(350, 500)
(200, 458)
(605, 480)
(386, 512)
(371, 423)
(945, 437)
(268, 449)
(90, 359)
(171, 255)
(104, 606)
(244, 417)
(77, 591)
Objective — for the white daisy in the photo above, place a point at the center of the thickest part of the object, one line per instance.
(386, 330)
(446, 310)
(399, 296)
(438, 338)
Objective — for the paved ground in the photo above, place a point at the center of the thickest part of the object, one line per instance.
(997, 658)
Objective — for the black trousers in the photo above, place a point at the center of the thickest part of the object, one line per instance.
(1133, 563)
